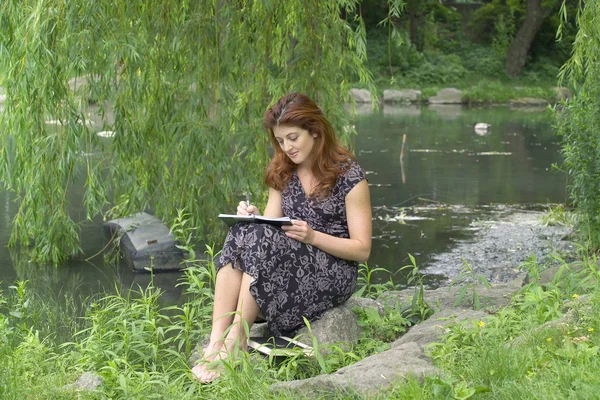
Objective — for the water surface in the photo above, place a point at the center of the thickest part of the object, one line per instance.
(444, 163)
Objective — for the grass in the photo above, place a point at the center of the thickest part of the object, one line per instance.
(141, 350)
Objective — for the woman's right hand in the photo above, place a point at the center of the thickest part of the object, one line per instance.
(243, 209)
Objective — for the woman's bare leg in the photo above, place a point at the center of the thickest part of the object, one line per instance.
(246, 313)
(246, 310)
(227, 290)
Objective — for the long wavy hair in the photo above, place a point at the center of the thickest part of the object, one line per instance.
(331, 159)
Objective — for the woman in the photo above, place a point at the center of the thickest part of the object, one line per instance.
(300, 270)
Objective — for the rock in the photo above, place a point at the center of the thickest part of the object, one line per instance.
(361, 95)
(145, 242)
(528, 102)
(401, 96)
(368, 376)
(444, 298)
(338, 325)
(447, 96)
(562, 93)
(89, 381)
(432, 329)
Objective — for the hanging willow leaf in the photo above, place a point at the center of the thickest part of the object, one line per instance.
(183, 84)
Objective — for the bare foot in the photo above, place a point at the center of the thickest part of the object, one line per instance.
(207, 369)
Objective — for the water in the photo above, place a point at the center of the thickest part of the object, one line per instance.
(444, 161)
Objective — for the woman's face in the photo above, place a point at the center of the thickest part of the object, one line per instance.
(296, 142)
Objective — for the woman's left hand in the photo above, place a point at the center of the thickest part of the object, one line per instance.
(300, 231)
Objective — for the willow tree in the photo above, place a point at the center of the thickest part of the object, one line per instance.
(187, 83)
(580, 118)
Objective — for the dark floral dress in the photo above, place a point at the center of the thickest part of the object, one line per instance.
(290, 279)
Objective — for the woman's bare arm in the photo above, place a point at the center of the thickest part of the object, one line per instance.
(358, 246)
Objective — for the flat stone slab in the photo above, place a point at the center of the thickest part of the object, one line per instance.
(401, 96)
(145, 242)
(446, 96)
(368, 376)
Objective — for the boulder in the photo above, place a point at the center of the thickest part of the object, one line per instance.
(89, 381)
(562, 93)
(528, 102)
(444, 298)
(368, 376)
(401, 96)
(447, 96)
(145, 242)
(338, 325)
(432, 329)
(361, 95)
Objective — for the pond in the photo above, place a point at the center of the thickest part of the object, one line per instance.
(424, 202)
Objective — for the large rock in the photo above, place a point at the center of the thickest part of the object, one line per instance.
(435, 326)
(368, 376)
(145, 242)
(492, 298)
(562, 93)
(89, 381)
(361, 95)
(338, 325)
(401, 96)
(447, 96)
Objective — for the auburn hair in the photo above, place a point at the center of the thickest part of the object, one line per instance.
(330, 158)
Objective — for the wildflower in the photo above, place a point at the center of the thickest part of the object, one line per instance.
(481, 324)
(575, 296)
(591, 330)
(569, 332)
(549, 339)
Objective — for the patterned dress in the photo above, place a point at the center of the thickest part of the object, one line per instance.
(290, 279)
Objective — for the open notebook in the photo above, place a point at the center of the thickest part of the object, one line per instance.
(282, 346)
(231, 219)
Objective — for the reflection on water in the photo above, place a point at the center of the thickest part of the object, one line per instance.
(445, 162)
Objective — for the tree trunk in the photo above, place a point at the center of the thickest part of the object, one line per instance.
(415, 17)
(517, 53)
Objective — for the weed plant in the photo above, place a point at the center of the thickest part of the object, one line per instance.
(545, 344)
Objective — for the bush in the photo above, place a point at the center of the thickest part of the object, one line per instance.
(578, 126)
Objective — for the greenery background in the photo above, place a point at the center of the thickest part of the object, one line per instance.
(187, 81)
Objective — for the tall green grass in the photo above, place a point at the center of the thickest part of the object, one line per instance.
(141, 349)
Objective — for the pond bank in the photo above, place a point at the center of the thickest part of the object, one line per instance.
(500, 245)
(513, 96)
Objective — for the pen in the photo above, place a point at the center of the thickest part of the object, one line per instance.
(247, 199)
